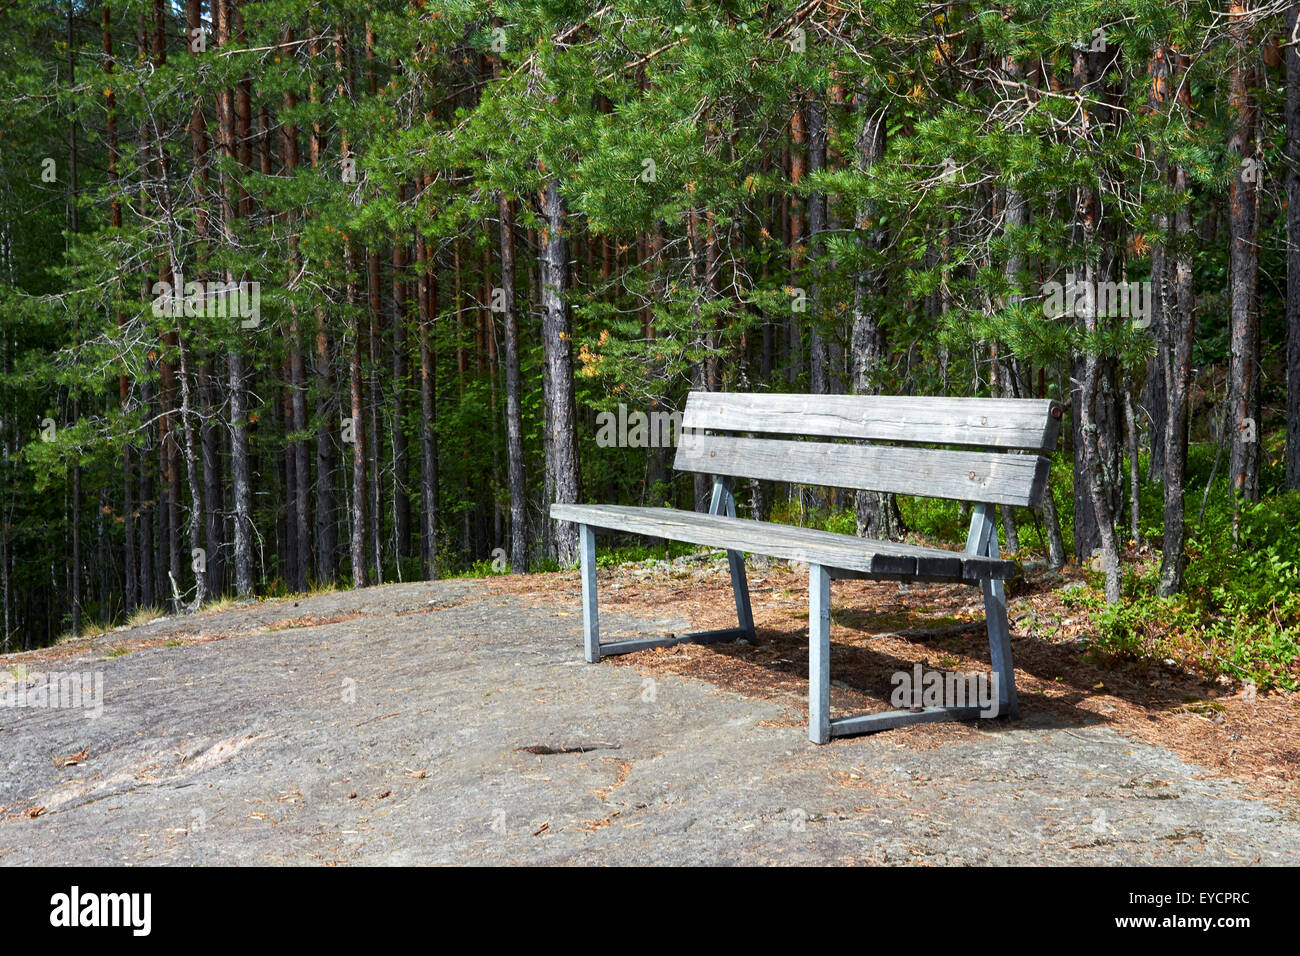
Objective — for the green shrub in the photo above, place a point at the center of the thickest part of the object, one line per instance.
(1239, 611)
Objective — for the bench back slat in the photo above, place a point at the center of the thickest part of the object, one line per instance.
(930, 472)
(1011, 423)
(1002, 476)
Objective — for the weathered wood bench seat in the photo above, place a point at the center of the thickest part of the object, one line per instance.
(838, 552)
(998, 473)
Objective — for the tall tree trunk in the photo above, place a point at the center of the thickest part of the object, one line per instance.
(300, 511)
(877, 512)
(1095, 481)
(146, 499)
(235, 128)
(817, 351)
(191, 476)
(1134, 475)
(1017, 219)
(73, 199)
(1180, 325)
(375, 301)
(556, 343)
(356, 358)
(1243, 266)
(1293, 248)
(327, 556)
(401, 372)
(798, 142)
(514, 405)
(240, 477)
(210, 439)
(427, 296)
(698, 373)
(115, 219)
(355, 392)
(1156, 392)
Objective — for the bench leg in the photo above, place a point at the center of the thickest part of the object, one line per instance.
(995, 611)
(983, 540)
(819, 654)
(593, 651)
(724, 503)
(590, 620)
(740, 590)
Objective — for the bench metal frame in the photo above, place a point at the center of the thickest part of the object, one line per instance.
(722, 503)
(982, 539)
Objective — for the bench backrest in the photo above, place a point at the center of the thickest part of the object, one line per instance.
(716, 425)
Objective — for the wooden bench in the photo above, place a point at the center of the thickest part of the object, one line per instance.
(993, 469)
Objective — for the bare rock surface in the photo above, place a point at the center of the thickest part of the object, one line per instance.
(440, 722)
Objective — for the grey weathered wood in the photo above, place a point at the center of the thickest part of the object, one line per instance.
(1002, 478)
(590, 621)
(985, 477)
(877, 558)
(870, 723)
(983, 539)
(819, 655)
(987, 422)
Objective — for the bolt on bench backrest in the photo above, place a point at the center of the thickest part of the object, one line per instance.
(1005, 476)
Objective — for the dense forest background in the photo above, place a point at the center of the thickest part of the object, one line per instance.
(471, 228)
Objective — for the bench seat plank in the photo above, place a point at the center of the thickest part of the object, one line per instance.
(885, 559)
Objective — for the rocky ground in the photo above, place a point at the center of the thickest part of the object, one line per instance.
(454, 722)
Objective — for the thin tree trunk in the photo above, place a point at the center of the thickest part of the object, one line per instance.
(327, 556)
(355, 393)
(401, 372)
(556, 342)
(817, 350)
(877, 512)
(375, 301)
(514, 405)
(1131, 446)
(146, 503)
(1089, 432)
(427, 296)
(115, 218)
(300, 511)
(191, 476)
(235, 127)
(1180, 324)
(73, 199)
(356, 360)
(798, 140)
(1243, 265)
(1292, 55)
(212, 511)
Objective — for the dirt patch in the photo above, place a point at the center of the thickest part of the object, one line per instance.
(314, 620)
